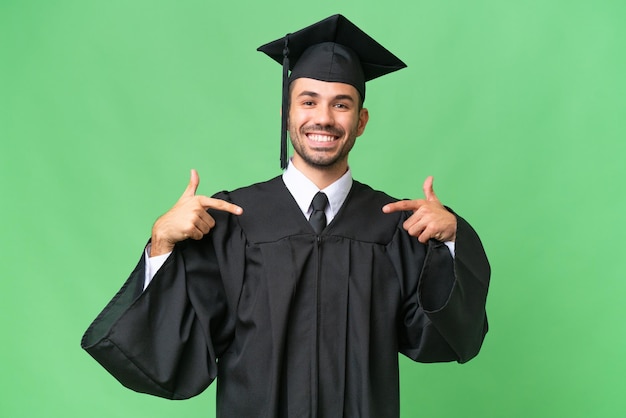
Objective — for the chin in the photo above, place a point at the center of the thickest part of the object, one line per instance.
(323, 162)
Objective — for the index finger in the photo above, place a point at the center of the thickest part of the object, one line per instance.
(402, 205)
(219, 204)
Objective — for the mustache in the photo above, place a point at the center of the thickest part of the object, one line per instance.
(331, 130)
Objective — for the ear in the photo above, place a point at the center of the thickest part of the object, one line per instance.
(364, 116)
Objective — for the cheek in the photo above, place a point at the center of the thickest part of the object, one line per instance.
(346, 120)
(295, 118)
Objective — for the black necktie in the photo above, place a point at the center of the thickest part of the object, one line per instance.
(318, 217)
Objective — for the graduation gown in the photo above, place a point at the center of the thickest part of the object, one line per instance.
(295, 324)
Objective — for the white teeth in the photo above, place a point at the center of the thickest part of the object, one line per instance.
(321, 138)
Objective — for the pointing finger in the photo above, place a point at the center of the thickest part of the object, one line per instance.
(219, 204)
(403, 205)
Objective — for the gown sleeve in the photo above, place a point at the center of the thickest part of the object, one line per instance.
(443, 315)
(165, 340)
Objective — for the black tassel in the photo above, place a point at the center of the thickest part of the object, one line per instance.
(285, 105)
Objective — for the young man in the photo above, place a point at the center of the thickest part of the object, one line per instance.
(299, 292)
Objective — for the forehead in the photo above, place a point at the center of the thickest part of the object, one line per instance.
(322, 88)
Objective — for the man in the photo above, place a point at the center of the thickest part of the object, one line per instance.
(299, 292)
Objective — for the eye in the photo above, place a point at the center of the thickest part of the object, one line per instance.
(341, 106)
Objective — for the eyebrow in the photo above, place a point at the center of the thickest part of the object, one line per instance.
(337, 97)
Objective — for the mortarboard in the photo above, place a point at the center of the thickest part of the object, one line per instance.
(333, 50)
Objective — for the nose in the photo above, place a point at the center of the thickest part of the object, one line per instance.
(324, 116)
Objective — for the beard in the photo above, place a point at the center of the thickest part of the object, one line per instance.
(319, 157)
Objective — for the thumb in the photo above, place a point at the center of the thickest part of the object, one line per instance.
(429, 192)
(194, 180)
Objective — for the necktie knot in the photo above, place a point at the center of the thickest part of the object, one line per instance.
(320, 200)
(318, 217)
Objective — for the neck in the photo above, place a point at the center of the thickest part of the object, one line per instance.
(322, 177)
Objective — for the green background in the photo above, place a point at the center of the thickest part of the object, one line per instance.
(516, 108)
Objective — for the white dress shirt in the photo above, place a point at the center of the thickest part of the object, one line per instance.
(302, 189)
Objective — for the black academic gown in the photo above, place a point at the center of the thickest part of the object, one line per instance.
(294, 324)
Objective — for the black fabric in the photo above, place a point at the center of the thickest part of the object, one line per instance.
(292, 323)
(318, 216)
(328, 64)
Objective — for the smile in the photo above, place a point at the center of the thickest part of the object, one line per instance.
(321, 137)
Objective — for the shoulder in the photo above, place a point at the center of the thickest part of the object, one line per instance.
(269, 211)
(361, 218)
(253, 191)
(363, 194)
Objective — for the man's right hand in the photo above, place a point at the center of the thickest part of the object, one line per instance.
(188, 218)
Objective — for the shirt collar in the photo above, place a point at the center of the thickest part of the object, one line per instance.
(302, 189)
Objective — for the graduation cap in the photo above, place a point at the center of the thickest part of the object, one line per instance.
(332, 50)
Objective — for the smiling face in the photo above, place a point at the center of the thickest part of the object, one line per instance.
(324, 121)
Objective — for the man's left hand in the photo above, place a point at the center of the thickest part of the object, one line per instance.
(430, 218)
